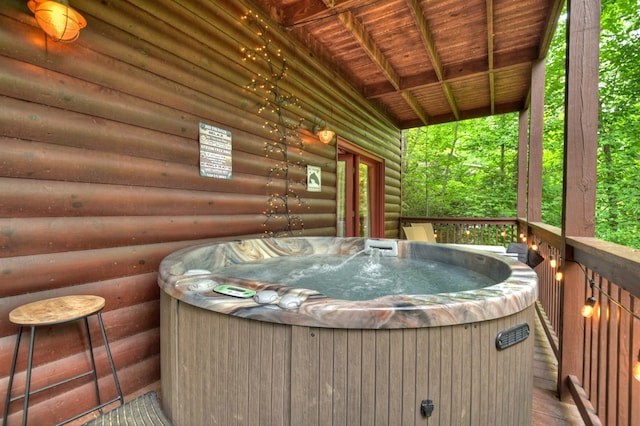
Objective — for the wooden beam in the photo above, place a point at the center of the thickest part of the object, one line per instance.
(550, 27)
(536, 127)
(301, 13)
(415, 105)
(579, 180)
(490, 44)
(361, 35)
(523, 144)
(376, 55)
(549, 32)
(427, 39)
(421, 81)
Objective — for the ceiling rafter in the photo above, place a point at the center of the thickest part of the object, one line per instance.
(359, 32)
(425, 61)
(550, 28)
(302, 13)
(490, 44)
(427, 38)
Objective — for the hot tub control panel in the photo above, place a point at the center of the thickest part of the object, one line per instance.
(231, 290)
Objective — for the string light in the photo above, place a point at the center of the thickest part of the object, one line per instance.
(589, 307)
(552, 261)
(276, 102)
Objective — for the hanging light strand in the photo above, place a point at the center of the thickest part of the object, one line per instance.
(594, 286)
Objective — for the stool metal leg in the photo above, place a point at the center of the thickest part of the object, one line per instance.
(110, 358)
(27, 386)
(93, 363)
(12, 372)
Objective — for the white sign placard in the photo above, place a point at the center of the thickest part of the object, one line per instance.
(314, 179)
(215, 152)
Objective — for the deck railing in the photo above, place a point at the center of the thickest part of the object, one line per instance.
(596, 355)
(479, 231)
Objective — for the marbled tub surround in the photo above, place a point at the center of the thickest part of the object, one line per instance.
(189, 275)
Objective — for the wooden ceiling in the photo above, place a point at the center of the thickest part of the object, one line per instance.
(428, 61)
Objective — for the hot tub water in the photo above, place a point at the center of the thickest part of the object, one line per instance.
(361, 276)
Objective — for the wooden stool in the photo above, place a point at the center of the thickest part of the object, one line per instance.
(54, 311)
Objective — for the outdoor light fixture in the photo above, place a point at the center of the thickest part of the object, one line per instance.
(57, 19)
(552, 261)
(325, 135)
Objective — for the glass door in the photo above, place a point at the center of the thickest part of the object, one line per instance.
(360, 193)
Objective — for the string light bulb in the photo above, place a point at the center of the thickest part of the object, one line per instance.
(589, 307)
(636, 368)
(57, 19)
(552, 261)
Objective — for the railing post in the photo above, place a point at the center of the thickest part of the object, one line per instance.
(571, 339)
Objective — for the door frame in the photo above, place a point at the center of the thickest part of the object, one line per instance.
(376, 167)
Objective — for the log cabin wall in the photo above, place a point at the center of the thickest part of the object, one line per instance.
(99, 169)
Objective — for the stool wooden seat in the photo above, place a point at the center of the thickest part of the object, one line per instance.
(54, 311)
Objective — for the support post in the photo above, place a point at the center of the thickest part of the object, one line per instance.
(579, 187)
(534, 198)
(523, 152)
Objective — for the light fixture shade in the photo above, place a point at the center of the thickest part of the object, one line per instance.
(325, 135)
(58, 20)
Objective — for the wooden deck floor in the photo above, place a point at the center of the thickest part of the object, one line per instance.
(548, 410)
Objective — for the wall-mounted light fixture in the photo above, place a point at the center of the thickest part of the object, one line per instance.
(323, 133)
(57, 19)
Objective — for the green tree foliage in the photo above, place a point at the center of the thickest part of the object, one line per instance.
(466, 169)
(469, 168)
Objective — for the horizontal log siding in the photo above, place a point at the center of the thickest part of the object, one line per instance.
(99, 171)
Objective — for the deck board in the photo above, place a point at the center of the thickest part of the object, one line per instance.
(548, 410)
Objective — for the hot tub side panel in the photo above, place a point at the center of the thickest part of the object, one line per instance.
(220, 369)
(380, 377)
(223, 370)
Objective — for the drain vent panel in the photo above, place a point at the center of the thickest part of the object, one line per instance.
(512, 336)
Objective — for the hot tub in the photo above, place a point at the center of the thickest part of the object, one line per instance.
(238, 350)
